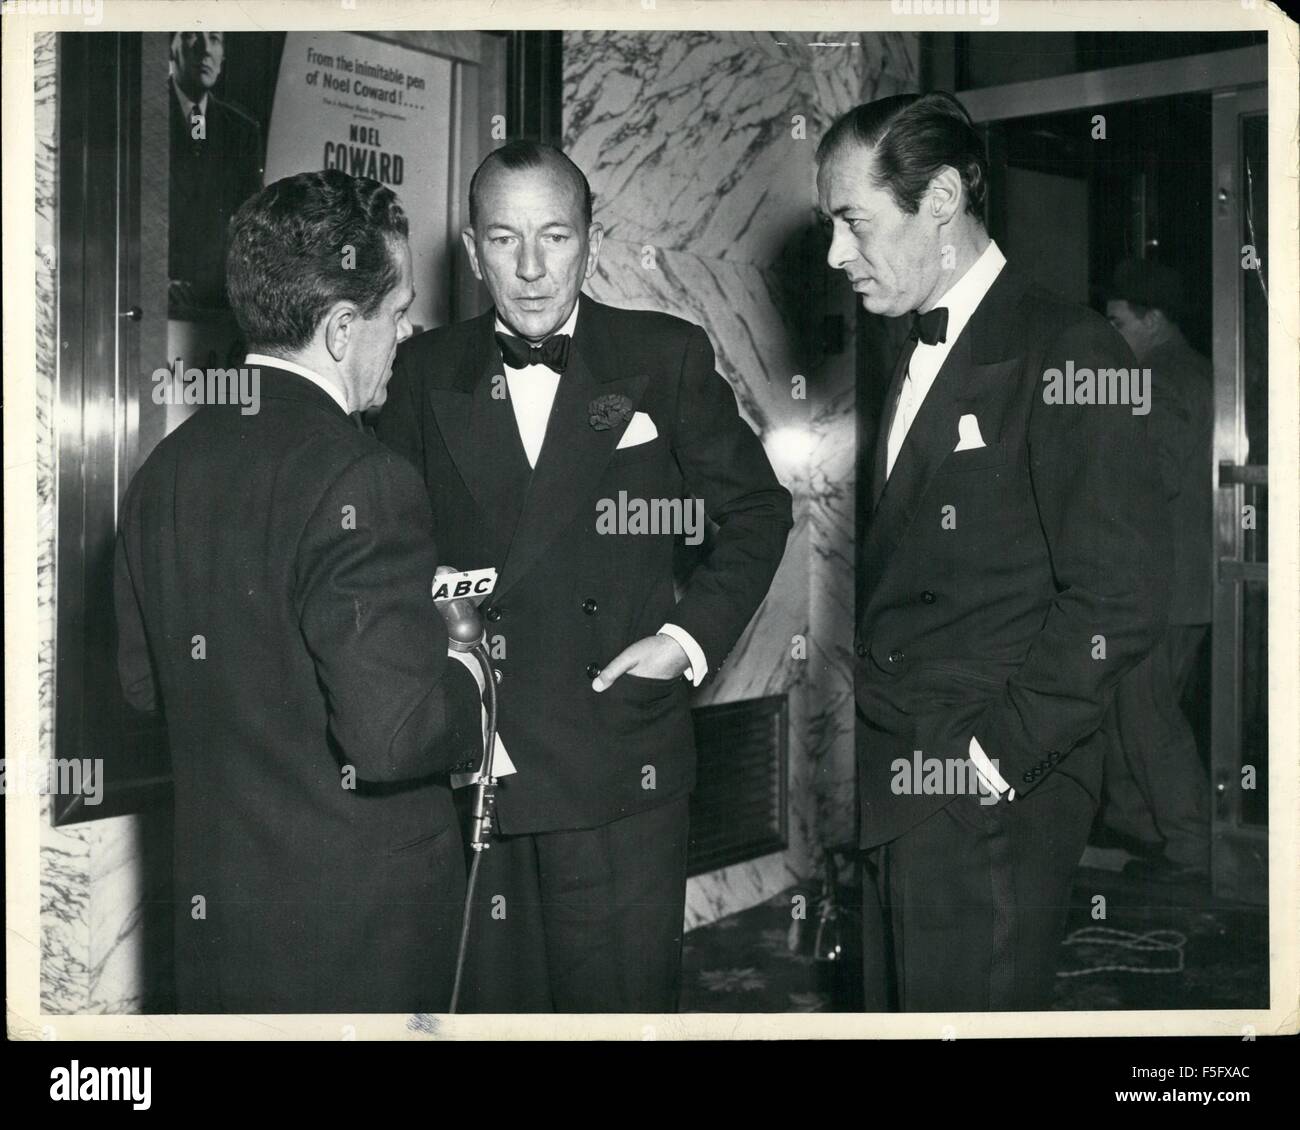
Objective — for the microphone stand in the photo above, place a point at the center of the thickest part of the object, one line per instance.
(481, 810)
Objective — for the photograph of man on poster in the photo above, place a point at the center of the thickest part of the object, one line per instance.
(216, 164)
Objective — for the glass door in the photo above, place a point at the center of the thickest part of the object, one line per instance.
(1239, 633)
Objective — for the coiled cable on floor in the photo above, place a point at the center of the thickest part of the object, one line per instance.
(1126, 942)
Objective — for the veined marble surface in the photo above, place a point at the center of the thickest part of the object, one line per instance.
(91, 874)
(65, 852)
(703, 141)
(699, 148)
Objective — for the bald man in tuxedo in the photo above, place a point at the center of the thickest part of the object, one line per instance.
(527, 423)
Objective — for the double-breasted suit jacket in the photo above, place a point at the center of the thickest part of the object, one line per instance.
(1005, 588)
(571, 594)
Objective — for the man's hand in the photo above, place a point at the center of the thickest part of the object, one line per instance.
(655, 657)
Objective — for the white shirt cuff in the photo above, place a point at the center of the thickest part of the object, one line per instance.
(699, 665)
(988, 772)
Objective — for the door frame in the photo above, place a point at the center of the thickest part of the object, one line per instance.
(1215, 70)
(1240, 851)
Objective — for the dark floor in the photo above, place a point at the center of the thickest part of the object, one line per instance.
(1159, 947)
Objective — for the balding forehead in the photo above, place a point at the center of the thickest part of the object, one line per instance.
(551, 168)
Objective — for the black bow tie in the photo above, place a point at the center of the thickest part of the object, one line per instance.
(931, 327)
(518, 353)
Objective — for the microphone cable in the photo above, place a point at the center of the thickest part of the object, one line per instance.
(481, 814)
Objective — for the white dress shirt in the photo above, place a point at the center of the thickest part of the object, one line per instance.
(961, 299)
(532, 392)
(262, 360)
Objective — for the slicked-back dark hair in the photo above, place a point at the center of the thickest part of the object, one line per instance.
(914, 136)
(285, 263)
(523, 154)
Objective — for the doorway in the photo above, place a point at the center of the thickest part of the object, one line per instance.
(1169, 159)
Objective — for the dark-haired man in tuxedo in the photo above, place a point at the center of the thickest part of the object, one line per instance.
(528, 423)
(273, 600)
(1013, 570)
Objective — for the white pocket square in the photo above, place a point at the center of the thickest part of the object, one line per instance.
(968, 434)
(640, 429)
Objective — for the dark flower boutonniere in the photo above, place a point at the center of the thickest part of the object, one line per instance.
(609, 411)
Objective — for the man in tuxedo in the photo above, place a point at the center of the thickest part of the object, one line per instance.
(1012, 571)
(273, 598)
(216, 164)
(1157, 790)
(529, 423)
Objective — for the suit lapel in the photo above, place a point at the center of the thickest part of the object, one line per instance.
(475, 427)
(574, 453)
(929, 440)
(982, 358)
(887, 413)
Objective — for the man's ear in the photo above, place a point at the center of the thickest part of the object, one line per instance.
(944, 198)
(471, 249)
(595, 233)
(338, 329)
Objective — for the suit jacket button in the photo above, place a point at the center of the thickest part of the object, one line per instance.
(1028, 778)
(896, 656)
(589, 606)
(927, 597)
(861, 651)
(493, 613)
(593, 669)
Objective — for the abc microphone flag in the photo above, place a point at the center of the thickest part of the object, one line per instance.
(472, 584)
(457, 596)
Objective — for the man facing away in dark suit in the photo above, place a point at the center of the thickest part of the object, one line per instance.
(216, 164)
(1012, 571)
(540, 427)
(1157, 791)
(273, 599)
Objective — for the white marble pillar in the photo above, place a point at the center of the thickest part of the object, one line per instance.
(699, 148)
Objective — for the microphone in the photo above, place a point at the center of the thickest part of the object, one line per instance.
(458, 596)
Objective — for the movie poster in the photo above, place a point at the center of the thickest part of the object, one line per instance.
(377, 110)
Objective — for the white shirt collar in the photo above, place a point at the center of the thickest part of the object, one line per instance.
(187, 107)
(968, 292)
(567, 328)
(302, 371)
